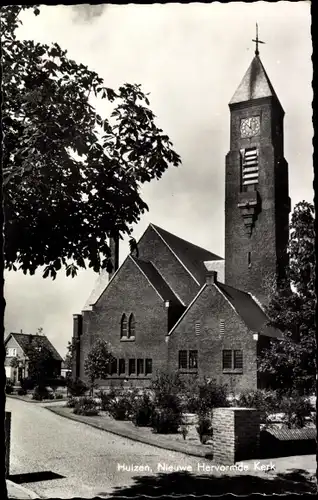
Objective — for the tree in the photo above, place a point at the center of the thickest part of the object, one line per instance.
(98, 362)
(72, 178)
(68, 361)
(14, 363)
(291, 362)
(40, 361)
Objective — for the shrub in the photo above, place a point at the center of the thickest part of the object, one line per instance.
(41, 392)
(106, 399)
(122, 406)
(9, 386)
(76, 387)
(204, 429)
(58, 395)
(143, 411)
(167, 387)
(71, 402)
(56, 382)
(295, 408)
(85, 406)
(22, 392)
(27, 384)
(211, 395)
(267, 402)
(166, 420)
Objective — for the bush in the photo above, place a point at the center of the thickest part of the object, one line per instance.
(166, 388)
(107, 399)
(85, 406)
(295, 408)
(9, 386)
(204, 429)
(267, 402)
(56, 382)
(76, 387)
(166, 420)
(40, 393)
(143, 411)
(27, 384)
(71, 402)
(22, 392)
(58, 395)
(122, 406)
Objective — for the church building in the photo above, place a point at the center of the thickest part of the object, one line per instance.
(175, 307)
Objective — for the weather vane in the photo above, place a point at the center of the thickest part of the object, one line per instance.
(257, 41)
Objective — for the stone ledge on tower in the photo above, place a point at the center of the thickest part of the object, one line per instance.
(249, 203)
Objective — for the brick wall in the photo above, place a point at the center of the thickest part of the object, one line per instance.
(209, 308)
(128, 292)
(235, 434)
(267, 243)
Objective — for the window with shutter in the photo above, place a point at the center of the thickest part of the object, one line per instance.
(249, 168)
(222, 326)
(197, 328)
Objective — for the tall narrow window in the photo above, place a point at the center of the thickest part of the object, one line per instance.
(249, 177)
(123, 326)
(238, 360)
(132, 367)
(140, 366)
(183, 359)
(131, 326)
(148, 369)
(197, 328)
(249, 261)
(113, 366)
(193, 359)
(121, 366)
(222, 326)
(227, 359)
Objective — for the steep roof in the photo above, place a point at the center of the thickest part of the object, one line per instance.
(24, 339)
(156, 280)
(255, 84)
(191, 256)
(248, 309)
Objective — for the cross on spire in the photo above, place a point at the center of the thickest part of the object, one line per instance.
(257, 41)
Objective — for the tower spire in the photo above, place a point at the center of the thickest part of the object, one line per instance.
(257, 41)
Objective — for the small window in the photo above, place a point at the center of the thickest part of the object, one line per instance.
(183, 360)
(222, 326)
(121, 367)
(11, 352)
(131, 326)
(227, 359)
(193, 359)
(113, 366)
(140, 366)
(148, 366)
(132, 366)
(249, 262)
(197, 328)
(238, 359)
(123, 326)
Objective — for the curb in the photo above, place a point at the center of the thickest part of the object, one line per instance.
(34, 401)
(21, 491)
(179, 448)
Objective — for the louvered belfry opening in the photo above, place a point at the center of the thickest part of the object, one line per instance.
(249, 168)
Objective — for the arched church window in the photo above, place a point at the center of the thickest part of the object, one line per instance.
(131, 326)
(123, 326)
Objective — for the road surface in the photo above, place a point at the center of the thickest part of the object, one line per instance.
(87, 462)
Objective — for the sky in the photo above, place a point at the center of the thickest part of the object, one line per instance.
(191, 58)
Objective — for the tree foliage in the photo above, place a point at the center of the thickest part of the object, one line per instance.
(97, 362)
(292, 362)
(72, 178)
(68, 361)
(40, 360)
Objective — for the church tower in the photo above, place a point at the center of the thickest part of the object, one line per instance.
(257, 203)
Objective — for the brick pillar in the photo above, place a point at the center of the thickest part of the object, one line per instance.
(235, 434)
(7, 430)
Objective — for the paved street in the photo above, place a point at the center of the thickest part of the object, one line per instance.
(87, 458)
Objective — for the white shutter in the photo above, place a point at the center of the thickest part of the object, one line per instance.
(250, 166)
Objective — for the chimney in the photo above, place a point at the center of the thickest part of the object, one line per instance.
(211, 277)
(114, 254)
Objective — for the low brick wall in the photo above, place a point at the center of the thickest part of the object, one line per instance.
(236, 434)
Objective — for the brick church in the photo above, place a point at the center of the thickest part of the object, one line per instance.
(173, 306)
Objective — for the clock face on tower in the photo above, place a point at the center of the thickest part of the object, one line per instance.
(250, 126)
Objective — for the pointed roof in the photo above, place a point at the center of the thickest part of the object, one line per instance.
(156, 280)
(191, 256)
(24, 340)
(255, 84)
